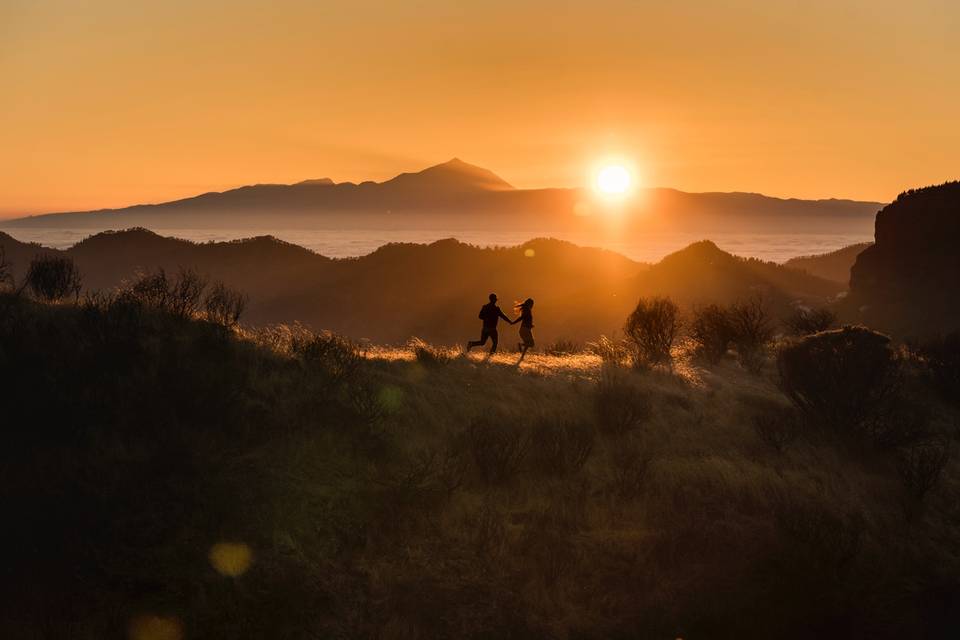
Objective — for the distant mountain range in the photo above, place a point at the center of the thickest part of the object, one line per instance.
(459, 195)
(434, 291)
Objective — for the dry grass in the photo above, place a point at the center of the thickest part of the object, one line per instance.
(427, 497)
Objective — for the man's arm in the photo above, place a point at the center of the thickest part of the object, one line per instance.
(503, 315)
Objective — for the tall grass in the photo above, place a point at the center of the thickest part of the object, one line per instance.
(387, 498)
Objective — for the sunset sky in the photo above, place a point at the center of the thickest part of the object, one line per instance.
(108, 102)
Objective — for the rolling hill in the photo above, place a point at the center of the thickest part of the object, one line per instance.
(834, 265)
(433, 291)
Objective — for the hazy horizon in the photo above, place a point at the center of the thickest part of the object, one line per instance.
(6, 215)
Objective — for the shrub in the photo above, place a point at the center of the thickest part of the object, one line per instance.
(180, 296)
(711, 331)
(428, 355)
(651, 330)
(336, 357)
(563, 347)
(845, 379)
(752, 331)
(51, 278)
(498, 447)
(620, 407)
(921, 465)
(6, 271)
(152, 290)
(803, 322)
(777, 428)
(629, 465)
(900, 423)
(942, 360)
(611, 351)
(224, 305)
(185, 293)
(561, 447)
(823, 542)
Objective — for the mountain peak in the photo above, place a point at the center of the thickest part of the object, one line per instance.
(452, 175)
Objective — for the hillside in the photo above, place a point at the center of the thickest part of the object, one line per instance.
(904, 283)
(456, 195)
(434, 291)
(167, 478)
(834, 265)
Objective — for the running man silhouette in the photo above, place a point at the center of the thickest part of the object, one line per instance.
(490, 313)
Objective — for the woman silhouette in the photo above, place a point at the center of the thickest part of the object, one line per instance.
(526, 326)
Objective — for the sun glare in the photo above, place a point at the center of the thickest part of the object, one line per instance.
(613, 180)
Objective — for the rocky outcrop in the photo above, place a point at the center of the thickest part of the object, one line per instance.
(907, 282)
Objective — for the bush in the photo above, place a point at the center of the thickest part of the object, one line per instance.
(921, 465)
(942, 360)
(611, 351)
(185, 293)
(563, 347)
(711, 331)
(180, 296)
(777, 428)
(620, 407)
(561, 447)
(803, 322)
(752, 331)
(845, 380)
(651, 330)
(629, 465)
(335, 357)
(224, 305)
(6, 271)
(52, 278)
(498, 447)
(428, 355)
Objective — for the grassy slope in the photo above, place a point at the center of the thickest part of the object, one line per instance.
(134, 445)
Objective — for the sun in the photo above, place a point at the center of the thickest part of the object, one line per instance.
(613, 180)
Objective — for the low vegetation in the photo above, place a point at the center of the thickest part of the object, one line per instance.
(168, 470)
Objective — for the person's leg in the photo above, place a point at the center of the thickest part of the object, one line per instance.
(494, 338)
(478, 343)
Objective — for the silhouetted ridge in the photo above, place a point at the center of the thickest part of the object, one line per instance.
(904, 283)
(834, 265)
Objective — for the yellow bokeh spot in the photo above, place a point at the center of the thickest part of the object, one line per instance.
(155, 628)
(231, 558)
(529, 253)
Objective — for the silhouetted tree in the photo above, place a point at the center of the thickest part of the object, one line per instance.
(53, 278)
(186, 292)
(803, 322)
(752, 331)
(152, 289)
(652, 328)
(180, 296)
(224, 305)
(711, 331)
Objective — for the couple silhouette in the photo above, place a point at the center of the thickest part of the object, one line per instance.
(490, 314)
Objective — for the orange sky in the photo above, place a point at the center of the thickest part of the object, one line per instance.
(108, 103)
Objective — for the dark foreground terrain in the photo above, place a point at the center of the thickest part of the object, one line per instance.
(168, 475)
